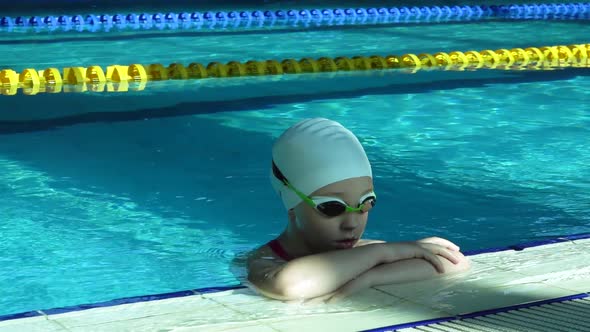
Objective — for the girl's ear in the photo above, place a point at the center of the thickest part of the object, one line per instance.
(292, 216)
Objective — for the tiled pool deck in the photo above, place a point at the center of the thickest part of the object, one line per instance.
(498, 279)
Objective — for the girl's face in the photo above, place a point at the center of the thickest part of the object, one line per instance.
(321, 233)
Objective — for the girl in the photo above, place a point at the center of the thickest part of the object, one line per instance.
(324, 178)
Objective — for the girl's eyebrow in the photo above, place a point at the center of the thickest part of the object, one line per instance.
(336, 193)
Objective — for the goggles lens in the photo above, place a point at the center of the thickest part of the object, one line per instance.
(333, 207)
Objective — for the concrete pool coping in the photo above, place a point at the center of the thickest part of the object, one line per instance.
(525, 274)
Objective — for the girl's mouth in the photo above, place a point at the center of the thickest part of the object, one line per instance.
(346, 243)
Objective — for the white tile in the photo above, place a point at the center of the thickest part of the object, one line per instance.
(565, 265)
(198, 307)
(368, 299)
(234, 327)
(402, 312)
(31, 324)
(235, 296)
(484, 287)
(199, 320)
(576, 279)
(529, 256)
(582, 242)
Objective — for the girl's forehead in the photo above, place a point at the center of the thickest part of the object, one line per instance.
(354, 186)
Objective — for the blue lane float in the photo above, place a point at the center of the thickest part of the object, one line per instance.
(295, 17)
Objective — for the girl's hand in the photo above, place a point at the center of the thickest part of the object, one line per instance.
(430, 252)
(441, 242)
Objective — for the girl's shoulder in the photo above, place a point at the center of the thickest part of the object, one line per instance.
(263, 254)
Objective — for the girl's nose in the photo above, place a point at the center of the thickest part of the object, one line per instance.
(350, 221)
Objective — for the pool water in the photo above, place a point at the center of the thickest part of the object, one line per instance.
(123, 203)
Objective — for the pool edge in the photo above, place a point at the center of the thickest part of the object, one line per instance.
(215, 289)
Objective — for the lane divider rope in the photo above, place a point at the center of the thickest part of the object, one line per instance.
(116, 78)
(258, 18)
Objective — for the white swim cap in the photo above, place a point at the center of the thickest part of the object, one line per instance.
(315, 153)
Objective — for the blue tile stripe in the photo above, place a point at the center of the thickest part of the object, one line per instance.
(392, 328)
(218, 289)
(125, 300)
(206, 290)
(21, 315)
(522, 246)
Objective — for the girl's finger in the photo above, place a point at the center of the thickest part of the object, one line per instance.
(435, 261)
(442, 242)
(450, 255)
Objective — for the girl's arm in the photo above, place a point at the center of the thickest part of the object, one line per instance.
(397, 272)
(320, 274)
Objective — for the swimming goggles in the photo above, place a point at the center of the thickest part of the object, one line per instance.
(329, 206)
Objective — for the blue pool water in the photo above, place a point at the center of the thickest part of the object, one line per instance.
(114, 195)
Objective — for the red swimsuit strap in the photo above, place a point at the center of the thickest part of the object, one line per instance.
(278, 249)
